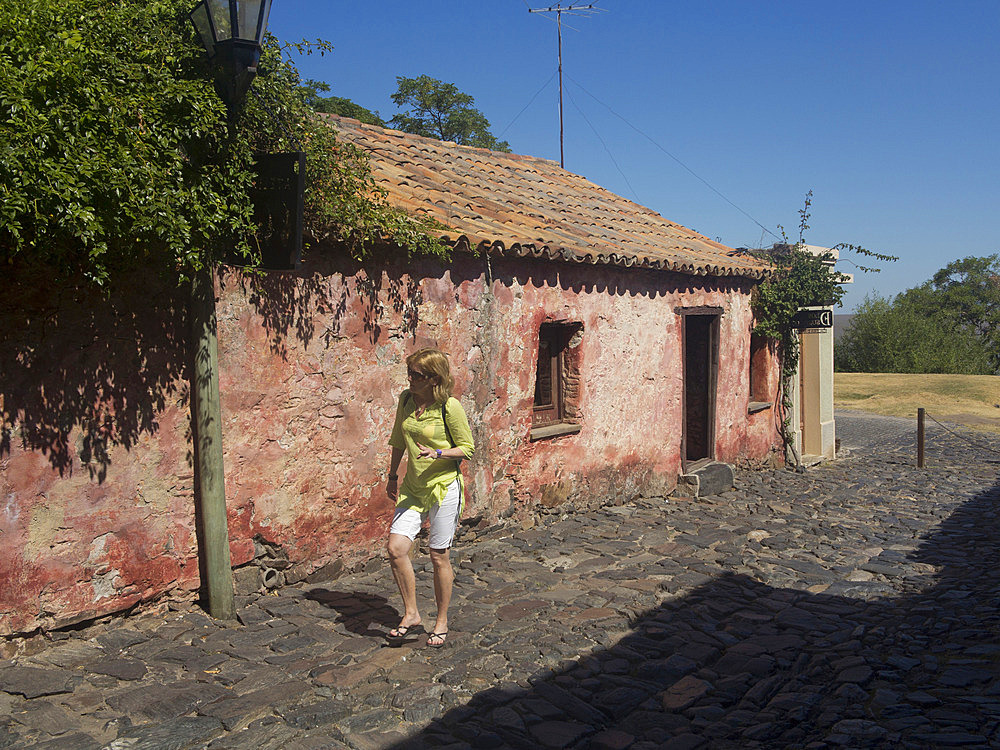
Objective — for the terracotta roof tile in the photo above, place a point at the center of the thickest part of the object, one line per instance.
(526, 206)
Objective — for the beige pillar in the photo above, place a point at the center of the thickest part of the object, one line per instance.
(811, 417)
(813, 430)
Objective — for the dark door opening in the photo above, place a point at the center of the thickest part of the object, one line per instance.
(701, 353)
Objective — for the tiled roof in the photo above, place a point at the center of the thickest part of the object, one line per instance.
(526, 206)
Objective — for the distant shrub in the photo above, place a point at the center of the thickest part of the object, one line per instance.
(906, 334)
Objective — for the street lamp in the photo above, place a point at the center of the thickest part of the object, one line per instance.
(231, 32)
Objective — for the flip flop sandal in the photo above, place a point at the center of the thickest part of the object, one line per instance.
(402, 631)
(440, 636)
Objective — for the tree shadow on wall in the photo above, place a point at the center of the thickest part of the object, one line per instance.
(332, 286)
(737, 664)
(385, 288)
(83, 370)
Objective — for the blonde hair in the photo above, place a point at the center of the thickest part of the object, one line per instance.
(433, 362)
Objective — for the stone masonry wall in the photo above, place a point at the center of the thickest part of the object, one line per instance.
(96, 502)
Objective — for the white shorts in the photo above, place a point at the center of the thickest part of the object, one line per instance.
(443, 519)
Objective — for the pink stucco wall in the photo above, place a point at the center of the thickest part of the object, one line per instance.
(311, 365)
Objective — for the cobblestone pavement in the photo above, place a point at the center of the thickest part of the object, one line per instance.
(854, 605)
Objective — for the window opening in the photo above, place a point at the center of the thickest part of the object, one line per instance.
(557, 380)
(760, 364)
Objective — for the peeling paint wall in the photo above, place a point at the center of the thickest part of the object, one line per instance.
(96, 479)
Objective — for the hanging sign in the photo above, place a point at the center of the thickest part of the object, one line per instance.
(278, 198)
(813, 319)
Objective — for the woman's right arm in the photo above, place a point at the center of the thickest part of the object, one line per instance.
(392, 486)
(398, 448)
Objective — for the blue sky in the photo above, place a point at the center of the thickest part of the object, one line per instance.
(887, 110)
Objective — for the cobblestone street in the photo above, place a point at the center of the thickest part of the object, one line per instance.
(854, 605)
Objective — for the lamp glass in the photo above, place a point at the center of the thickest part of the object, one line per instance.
(266, 11)
(221, 19)
(247, 18)
(203, 25)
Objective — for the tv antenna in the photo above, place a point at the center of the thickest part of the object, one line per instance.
(570, 10)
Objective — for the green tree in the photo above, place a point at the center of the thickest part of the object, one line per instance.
(340, 105)
(905, 335)
(969, 289)
(949, 324)
(800, 279)
(116, 151)
(439, 110)
(336, 105)
(967, 292)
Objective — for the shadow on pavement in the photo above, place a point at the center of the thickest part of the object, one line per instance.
(357, 610)
(737, 663)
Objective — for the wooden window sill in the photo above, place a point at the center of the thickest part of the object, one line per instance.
(554, 430)
(755, 406)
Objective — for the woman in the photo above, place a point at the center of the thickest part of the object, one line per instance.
(431, 427)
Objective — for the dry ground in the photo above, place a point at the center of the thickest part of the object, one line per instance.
(971, 400)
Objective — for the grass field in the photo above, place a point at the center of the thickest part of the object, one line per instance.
(971, 400)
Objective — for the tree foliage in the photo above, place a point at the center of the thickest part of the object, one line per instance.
(336, 105)
(800, 279)
(967, 292)
(115, 150)
(439, 110)
(949, 324)
(341, 105)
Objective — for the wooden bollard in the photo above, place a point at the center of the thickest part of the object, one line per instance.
(920, 437)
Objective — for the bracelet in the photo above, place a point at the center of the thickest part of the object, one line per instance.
(393, 477)
(439, 453)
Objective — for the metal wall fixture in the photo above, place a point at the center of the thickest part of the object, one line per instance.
(231, 32)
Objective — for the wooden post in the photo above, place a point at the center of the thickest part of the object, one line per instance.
(209, 473)
(920, 437)
(562, 159)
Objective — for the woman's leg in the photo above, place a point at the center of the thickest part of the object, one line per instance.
(402, 571)
(444, 521)
(444, 578)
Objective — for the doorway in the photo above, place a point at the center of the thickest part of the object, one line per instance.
(701, 364)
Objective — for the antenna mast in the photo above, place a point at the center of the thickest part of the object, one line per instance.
(573, 10)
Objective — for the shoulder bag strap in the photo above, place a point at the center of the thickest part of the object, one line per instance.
(444, 418)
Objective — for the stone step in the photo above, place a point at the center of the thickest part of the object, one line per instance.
(711, 479)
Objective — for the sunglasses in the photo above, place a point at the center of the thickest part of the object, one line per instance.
(414, 375)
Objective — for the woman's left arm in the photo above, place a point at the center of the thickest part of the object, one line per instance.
(461, 433)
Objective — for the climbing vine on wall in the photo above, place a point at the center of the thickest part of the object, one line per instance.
(800, 279)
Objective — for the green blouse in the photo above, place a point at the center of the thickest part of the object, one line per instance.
(427, 479)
